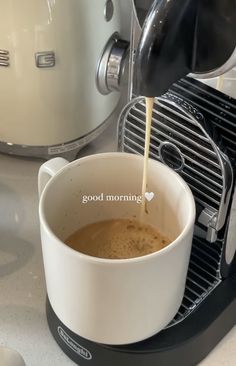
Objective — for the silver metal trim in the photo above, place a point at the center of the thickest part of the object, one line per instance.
(45, 59)
(68, 150)
(101, 72)
(112, 65)
(230, 248)
(4, 58)
(208, 218)
(4, 52)
(117, 65)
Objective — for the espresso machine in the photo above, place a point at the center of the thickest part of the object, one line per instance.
(174, 43)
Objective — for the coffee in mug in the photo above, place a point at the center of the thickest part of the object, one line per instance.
(117, 239)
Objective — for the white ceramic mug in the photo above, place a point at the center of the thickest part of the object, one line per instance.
(105, 300)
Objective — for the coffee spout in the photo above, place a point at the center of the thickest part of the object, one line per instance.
(183, 36)
(165, 47)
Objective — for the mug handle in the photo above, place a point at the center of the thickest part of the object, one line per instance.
(48, 170)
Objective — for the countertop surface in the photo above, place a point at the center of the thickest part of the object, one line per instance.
(23, 325)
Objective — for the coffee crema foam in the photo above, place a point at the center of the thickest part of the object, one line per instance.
(117, 239)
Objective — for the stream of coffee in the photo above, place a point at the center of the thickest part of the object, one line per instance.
(220, 82)
(149, 110)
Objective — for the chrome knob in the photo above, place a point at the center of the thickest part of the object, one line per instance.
(112, 65)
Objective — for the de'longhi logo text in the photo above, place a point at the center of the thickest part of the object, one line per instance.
(77, 348)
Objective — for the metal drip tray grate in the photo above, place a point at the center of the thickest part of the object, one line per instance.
(219, 109)
(203, 276)
(202, 168)
(180, 139)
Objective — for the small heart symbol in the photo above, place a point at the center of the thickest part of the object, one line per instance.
(149, 196)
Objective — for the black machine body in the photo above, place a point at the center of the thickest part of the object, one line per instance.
(180, 37)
